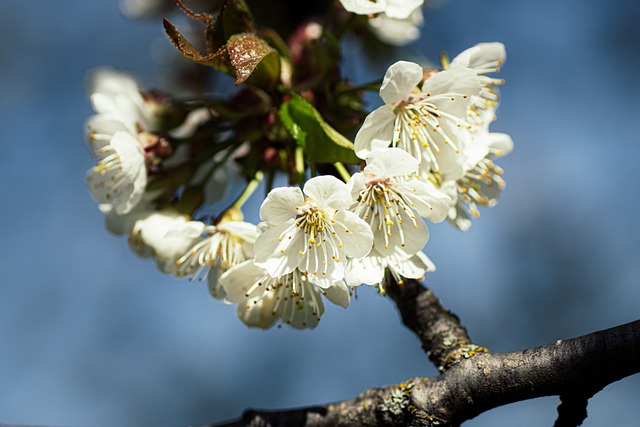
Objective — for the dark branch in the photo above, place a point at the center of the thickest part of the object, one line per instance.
(572, 411)
(443, 337)
(579, 366)
(473, 381)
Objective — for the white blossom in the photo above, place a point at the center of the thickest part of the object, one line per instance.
(399, 9)
(388, 199)
(153, 235)
(482, 182)
(314, 234)
(118, 96)
(292, 298)
(119, 179)
(428, 123)
(124, 224)
(217, 248)
(397, 31)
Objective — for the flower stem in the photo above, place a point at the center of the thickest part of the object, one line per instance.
(299, 159)
(248, 191)
(343, 171)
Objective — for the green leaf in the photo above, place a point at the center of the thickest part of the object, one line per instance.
(296, 131)
(234, 17)
(321, 142)
(252, 57)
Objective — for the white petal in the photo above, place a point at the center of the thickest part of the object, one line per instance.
(364, 7)
(450, 82)
(500, 143)
(216, 291)
(306, 313)
(191, 229)
(130, 151)
(356, 184)
(152, 233)
(99, 130)
(476, 151)
(397, 32)
(406, 238)
(276, 250)
(355, 234)
(123, 224)
(119, 180)
(451, 159)
(245, 230)
(368, 270)
(391, 162)
(281, 204)
(258, 314)
(402, 9)
(412, 268)
(328, 192)
(399, 81)
(237, 280)
(335, 273)
(428, 201)
(109, 81)
(338, 294)
(481, 57)
(376, 131)
(118, 94)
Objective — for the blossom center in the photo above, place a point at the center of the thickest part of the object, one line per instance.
(219, 249)
(294, 296)
(382, 208)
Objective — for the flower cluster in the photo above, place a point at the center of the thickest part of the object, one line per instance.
(426, 155)
(442, 119)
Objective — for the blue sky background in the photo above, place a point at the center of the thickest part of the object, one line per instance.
(92, 335)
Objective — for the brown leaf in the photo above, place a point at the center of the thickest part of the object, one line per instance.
(246, 51)
(215, 59)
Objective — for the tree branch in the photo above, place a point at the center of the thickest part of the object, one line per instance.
(473, 381)
(572, 411)
(443, 338)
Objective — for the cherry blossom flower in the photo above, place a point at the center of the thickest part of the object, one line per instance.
(124, 224)
(217, 248)
(482, 182)
(370, 270)
(153, 236)
(119, 179)
(388, 199)
(118, 96)
(292, 298)
(314, 234)
(398, 9)
(397, 31)
(428, 123)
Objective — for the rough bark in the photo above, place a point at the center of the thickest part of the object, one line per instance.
(443, 338)
(474, 381)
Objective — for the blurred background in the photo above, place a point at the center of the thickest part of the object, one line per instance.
(92, 335)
